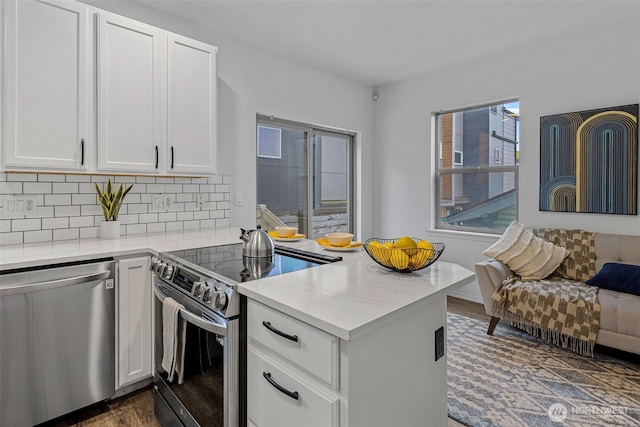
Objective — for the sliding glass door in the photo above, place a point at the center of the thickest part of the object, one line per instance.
(304, 175)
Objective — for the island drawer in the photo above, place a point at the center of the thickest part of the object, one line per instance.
(304, 345)
(277, 397)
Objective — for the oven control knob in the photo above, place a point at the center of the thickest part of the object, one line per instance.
(207, 296)
(198, 289)
(154, 261)
(168, 272)
(161, 268)
(220, 301)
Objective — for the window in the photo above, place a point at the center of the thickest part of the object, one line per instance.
(307, 181)
(477, 172)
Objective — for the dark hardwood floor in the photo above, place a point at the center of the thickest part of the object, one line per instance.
(136, 409)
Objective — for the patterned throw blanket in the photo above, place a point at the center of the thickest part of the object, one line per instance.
(565, 312)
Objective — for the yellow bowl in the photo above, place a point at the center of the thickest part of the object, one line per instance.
(339, 239)
(286, 231)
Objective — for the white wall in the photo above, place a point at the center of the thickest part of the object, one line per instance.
(599, 67)
(252, 81)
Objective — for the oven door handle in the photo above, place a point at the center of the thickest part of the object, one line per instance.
(213, 327)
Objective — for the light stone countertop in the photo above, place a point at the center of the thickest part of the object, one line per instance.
(347, 299)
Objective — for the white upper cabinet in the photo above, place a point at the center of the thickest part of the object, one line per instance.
(157, 100)
(192, 106)
(48, 56)
(131, 95)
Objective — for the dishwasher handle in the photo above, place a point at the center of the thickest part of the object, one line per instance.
(93, 278)
(209, 326)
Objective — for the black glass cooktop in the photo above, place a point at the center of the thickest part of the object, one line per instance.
(227, 261)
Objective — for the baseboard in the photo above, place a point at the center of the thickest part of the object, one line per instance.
(467, 297)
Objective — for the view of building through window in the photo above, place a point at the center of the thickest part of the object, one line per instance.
(478, 167)
(304, 176)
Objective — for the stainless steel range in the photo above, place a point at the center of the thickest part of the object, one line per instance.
(203, 280)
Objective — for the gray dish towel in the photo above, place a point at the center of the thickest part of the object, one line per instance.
(173, 339)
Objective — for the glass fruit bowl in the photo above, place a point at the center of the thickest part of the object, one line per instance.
(403, 259)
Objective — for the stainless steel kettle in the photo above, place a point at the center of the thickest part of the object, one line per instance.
(256, 243)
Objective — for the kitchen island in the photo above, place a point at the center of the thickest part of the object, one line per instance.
(365, 353)
(365, 348)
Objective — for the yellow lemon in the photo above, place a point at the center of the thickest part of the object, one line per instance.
(425, 244)
(389, 245)
(382, 254)
(400, 260)
(408, 244)
(418, 259)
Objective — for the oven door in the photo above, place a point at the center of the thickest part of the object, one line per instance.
(208, 396)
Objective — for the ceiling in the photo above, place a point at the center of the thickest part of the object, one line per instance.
(379, 42)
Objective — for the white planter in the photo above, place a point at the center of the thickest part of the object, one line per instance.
(110, 229)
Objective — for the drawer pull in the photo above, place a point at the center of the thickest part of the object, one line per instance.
(267, 325)
(291, 394)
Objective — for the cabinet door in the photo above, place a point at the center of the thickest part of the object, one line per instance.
(131, 95)
(192, 107)
(135, 304)
(47, 61)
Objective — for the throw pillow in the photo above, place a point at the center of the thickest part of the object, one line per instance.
(618, 277)
(580, 265)
(527, 255)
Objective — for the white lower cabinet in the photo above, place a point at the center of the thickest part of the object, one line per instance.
(388, 376)
(134, 341)
(292, 371)
(280, 397)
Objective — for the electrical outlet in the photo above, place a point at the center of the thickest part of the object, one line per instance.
(439, 342)
(156, 203)
(238, 199)
(19, 206)
(199, 200)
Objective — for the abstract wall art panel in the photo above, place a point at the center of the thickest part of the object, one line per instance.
(589, 161)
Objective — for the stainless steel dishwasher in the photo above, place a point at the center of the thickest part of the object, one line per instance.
(57, 338)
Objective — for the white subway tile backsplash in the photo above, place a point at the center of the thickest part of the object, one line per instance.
(26, 224)
(184, 197)
(49, 223)
(167, 216)
(57, 199)
(67, 206)
(81, 221)
(155, 188)
(156, 227)
(38, 236)
(10, 188)
(191, 225)
(148, 217)
(66, 210)
(135, 208)
(13, 238)
(83, 199)
(136, 229)
(65, 187)
(184, 216)
(22, 177)
(89, 232)
(78, 178)
(50, 177)
(66, 234)
(226, 222)
(201, 215)
(145, 179)
(36, 187)
(175, 226)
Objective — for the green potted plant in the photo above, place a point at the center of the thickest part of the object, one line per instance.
(111, 201)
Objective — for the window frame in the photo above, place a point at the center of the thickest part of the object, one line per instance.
(440, 172)
(312, 131)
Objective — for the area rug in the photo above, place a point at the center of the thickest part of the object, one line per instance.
(513, 379)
